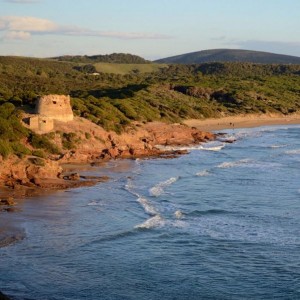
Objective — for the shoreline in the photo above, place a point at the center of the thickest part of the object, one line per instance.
(48, 185)
(64, 175)
(243, 121)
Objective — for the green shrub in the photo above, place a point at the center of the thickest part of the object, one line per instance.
(69, 140)
(42, 142)
(87, 135)
(50, 135)
(5, 149)
(19, 149)
(6, 110)
(37, 161)
(127, 109)
(39, 153)
(6, 130)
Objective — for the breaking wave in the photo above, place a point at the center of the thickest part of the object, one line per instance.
(203, 173)
(209, 146)
(148, 207)
(293, 152)
(278, 146)
(156, 221)
(232, 164)
(94, 203)
(178, 214)
(158, 189)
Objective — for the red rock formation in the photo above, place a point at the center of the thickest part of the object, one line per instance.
(140, 140)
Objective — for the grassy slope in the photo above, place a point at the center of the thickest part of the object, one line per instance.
(124, 69)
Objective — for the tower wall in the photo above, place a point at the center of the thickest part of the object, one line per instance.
(57, 107)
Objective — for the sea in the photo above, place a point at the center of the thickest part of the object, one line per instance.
(222, 222)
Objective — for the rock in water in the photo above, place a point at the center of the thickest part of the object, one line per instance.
(3, 297)
(9, 201)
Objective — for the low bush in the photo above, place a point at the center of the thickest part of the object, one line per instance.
(69, 140)
(5, 148)
(37, 161)
(19, 149)
(39, 153)
(42, 142)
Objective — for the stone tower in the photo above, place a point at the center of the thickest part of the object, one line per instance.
(48, 109)
(57, 107)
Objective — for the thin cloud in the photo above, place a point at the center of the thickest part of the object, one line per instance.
(16, 27)
(17, 35)
(27, 24)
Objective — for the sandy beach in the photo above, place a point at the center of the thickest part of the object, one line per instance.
(243, 121)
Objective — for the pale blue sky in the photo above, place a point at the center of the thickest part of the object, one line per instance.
(149, 28)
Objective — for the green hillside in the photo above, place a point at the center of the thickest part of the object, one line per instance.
(124, 69)
(117, 58)
(169, 94)
(230, 55)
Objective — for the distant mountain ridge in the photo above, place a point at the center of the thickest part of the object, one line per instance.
(230, 55)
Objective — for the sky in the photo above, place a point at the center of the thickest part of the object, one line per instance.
(149, 28)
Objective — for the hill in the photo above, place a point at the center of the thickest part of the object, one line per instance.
(230, 55)
(118, 58)
(124, 69)
(113, 100)
(120, 101)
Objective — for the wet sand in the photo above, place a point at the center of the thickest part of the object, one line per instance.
(243, 121)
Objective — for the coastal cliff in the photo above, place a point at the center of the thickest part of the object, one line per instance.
(95, 145)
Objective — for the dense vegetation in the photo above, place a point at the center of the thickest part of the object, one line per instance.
(170, 93)
(230, 55)
(14, 136)
(117, 58)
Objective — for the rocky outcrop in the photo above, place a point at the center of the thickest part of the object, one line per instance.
(3, 297)
(142, 141)
(23, 177)
(7, 201)
(139, 140)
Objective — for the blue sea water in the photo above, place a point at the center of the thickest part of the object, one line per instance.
(222, 222)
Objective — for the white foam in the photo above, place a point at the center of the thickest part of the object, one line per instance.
(227, 138)
(156, 221)
(178, 148)
(148, 207)
(158, 189)
(232, 164)
(178, 214)
(216, 148)
(129, 187)
(212, 146)
(203, 173)
(93, 203)
(277, 146)
(293, 152)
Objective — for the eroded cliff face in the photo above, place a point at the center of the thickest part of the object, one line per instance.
(138, 141)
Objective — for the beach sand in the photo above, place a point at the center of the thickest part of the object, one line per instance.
(243, 121)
